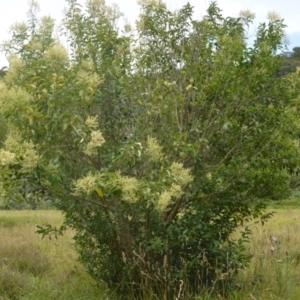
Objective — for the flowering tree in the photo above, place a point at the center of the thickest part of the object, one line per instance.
(155, 149)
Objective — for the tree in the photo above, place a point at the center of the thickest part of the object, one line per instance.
(157, 148)
(3, 128)
(291, 61)
(3, 72)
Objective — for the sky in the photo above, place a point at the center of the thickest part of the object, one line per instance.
(12, 11)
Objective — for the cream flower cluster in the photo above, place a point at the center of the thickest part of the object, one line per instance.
(154, 149)
(17, 152)
(85, 185)
(92, 122)
(165, 197)
(7, 158)
(182, 177)
(90, 79)
(57, 52)
(129, 187)
(97, 140)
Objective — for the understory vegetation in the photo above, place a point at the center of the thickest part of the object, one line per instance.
(159, 144)
(32, 268)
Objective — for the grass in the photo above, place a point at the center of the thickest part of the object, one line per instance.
(274, 270)
(43, 269)
(36, 268)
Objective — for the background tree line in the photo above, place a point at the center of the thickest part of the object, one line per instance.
(291, 61)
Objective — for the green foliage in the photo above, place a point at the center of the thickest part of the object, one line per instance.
(3, 130)
(3, 126)
(3, 72)
(157, 148)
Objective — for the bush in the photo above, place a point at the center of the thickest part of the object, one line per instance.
(157, 149)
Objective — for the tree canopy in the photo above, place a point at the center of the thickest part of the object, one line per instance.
(157, 143)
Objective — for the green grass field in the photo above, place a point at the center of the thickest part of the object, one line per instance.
(36, 268)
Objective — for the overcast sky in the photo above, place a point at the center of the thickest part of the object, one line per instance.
(12, 11)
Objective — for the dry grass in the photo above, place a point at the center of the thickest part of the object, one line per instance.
(36, 268)
(274, 270)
